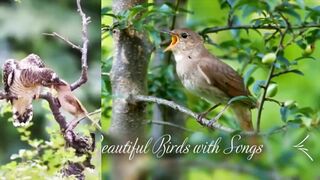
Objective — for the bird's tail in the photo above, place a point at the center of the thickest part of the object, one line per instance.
(22, 113)
(243, 114)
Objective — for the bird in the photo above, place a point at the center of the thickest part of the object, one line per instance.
(23, 80)
(71, 104)
(205, 75)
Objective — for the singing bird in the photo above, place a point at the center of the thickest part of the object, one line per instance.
(71, 104)
(23, 80)
(205, 75)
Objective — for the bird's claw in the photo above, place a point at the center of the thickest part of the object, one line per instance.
(9, 96)
(57, 102)
(211, 122)
(201, 116)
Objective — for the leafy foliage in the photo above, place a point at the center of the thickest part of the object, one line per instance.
(44, 159)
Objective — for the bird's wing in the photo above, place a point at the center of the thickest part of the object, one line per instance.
(8, 73)
(222, 76)
(34, 76)
(72, 100)
(31, 60)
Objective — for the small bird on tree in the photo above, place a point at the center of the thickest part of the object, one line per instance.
(23, 80)
(71, 104)
(208, 77)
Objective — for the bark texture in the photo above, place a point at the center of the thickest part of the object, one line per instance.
(128, 77)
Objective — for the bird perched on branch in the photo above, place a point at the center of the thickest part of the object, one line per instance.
(206, 76)
(23, 80)
(70, 103)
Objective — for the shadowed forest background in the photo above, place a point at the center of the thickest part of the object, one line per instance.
(291, 107)
(22, 24)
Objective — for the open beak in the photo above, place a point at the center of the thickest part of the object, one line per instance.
(174, 40)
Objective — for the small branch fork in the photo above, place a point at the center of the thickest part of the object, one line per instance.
(83, 49)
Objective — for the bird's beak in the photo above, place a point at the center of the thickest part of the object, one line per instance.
(174, 40)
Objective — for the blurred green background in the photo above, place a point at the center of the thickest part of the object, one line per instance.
(21, 26)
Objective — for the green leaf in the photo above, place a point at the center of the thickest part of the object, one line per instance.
(248, 99)
(296, 71)
(301, 43)
(300, 3)
(105, 10)
(304, 57)
(283, 62)
(296, 123)
(231, 2)
(284, 112)
(257, 86)
(293, 13)
(307, 111)
(248, 74)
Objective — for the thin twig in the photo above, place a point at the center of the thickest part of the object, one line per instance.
(54, 34)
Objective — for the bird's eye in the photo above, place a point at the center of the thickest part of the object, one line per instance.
(184, 35)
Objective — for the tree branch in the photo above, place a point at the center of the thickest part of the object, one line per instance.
(55, 108)
(254, 27)
(84, 49)
(203, 122)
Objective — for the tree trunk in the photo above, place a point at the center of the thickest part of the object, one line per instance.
(128, 77)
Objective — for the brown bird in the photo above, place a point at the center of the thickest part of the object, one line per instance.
(71, 104)
(208, 77)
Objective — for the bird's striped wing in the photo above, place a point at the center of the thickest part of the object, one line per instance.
(34, 76)
(32, 60)
(8, 73)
